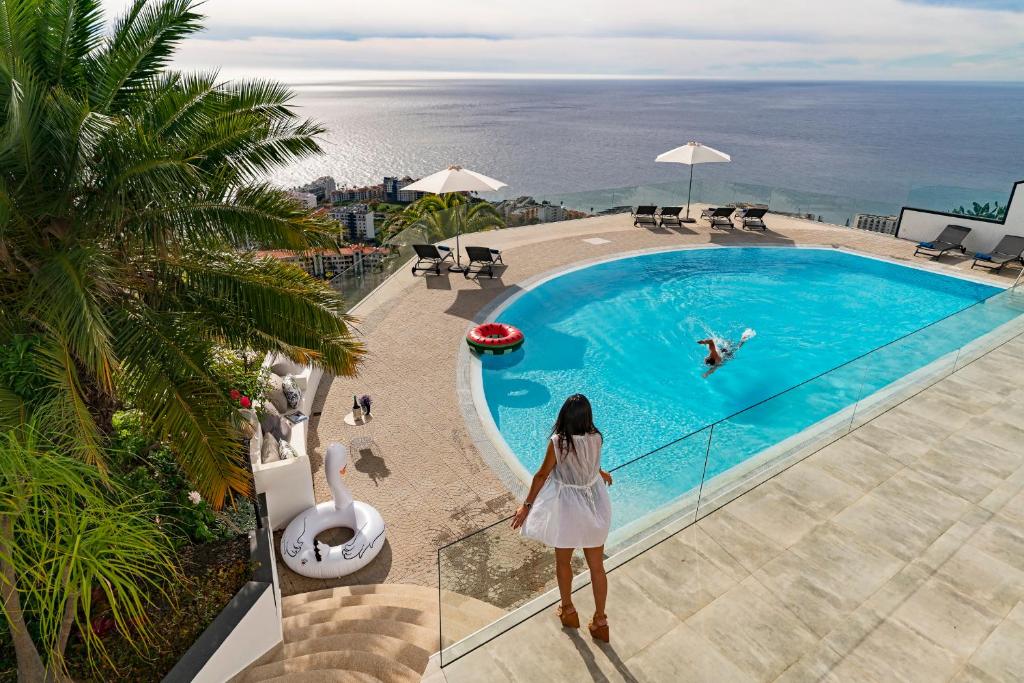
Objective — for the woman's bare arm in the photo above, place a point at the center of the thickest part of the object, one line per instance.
(538, 481)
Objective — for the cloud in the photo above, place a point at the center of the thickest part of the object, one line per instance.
(992, 5)
(887, 39)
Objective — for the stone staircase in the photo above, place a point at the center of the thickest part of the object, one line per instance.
(383, 633)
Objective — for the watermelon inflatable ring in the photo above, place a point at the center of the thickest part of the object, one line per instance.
(495, 337)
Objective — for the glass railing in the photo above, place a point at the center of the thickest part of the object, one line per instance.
(486, 577)
(363, 277)
(357, 281)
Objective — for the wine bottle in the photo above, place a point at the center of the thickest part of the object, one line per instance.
(356, 410)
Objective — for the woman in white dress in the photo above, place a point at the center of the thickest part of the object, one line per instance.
(568, 507)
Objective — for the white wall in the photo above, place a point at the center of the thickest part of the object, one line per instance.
(254, 635)
(921, 226)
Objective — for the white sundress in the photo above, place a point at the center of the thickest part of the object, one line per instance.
(573, 509)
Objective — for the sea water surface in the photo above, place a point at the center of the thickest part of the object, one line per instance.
(893, 143)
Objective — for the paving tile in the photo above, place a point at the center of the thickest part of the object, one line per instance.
(682, 654)
(1002, 538)
(855, 463)
(985, 579)
(893, 652)
(947, 618)
(775, 513)
(827, 575)
(685, 572)
(759, 636)
(1001, 656)
(747, 545)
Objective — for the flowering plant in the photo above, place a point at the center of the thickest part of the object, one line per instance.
(365, 401)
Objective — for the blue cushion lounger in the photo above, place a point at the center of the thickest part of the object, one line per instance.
(951, 237)
(1009, 250)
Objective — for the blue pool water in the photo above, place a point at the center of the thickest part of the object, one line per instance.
(624, 333)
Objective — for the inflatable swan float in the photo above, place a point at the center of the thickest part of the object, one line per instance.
(305, 555)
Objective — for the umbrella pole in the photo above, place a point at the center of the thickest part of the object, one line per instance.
(689, 192)
(457, 266)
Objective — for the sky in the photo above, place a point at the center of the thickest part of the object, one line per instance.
(325, 40)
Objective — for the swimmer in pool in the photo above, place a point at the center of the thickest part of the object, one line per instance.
(717, 357)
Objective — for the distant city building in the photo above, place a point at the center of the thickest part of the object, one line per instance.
(307, 199)
(875, 223)
(321, 188)
(526, 210)
(329, 262)
(358, 221)
(393, 192)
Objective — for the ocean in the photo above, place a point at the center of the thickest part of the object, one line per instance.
(930, 144)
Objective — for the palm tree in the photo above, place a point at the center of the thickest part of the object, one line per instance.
(66, 537)
(129, 195)
(437, 217)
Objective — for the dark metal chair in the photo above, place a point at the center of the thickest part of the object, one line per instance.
(951, 238)
(484, 258)
(670, 216)
(722, 216)
(752, 218)
(646, 216)
(431, 254)
(1009, 249)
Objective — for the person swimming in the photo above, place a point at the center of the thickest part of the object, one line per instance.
(721, 351)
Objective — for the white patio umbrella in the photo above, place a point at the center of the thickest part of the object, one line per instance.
(692, 153)
(455, 179)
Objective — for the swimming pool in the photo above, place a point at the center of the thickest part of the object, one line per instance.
(624, 333)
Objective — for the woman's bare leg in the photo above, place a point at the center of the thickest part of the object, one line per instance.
(598, 579)
(563, 572)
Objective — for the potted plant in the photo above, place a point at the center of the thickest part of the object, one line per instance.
(365, 401)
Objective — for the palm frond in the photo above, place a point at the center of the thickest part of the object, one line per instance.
(141, 45)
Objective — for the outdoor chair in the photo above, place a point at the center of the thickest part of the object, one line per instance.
(646, 216)
(670, 216)
(951, 237)
(431, 254)
(1009, 249)
(484, 258)
(722, 216)
(752, 218)
(706, 213)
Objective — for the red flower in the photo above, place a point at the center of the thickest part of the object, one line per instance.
(246, 403)
(235, 394)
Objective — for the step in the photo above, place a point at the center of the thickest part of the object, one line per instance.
(371, 589)
(421, 636)
(384, 612)
(358, 661)
(395, 649)
(326, 676)
(342, 602)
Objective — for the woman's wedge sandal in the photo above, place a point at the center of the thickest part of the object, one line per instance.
(599, 631)
(569, 617)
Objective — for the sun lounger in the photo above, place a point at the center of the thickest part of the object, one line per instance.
(484, 258)
(670, 215)
(752, 218)
(432, 255)
(706, 213)
(721, 216)
(1009, 249)
(645, 215)
(951, 237)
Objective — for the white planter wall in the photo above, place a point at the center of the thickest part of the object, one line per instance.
(921, 225)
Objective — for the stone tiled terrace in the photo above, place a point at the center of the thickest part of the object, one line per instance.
(796, 577)
(894, 554)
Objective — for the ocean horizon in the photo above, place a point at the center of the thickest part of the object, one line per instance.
(936, 144)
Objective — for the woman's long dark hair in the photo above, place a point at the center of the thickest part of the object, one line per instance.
(574, 419)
